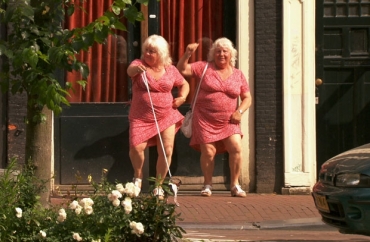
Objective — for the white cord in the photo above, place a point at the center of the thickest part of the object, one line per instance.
(174, 186)
(156, 122)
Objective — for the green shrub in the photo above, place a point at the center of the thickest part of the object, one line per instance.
(111, 212)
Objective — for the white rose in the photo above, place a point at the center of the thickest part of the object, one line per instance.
(88, 210)
(73, 205)
(120, 188)
(116, 202)
(77, 237)
(86, 202)
(78, 209)
(19, 212)
(62, 215)
(42, 234)
(137, 228)
(131, 189)
(116, 195)
(127, 204)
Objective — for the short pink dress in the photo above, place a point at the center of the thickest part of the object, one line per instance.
(216, 102)
(141, 118)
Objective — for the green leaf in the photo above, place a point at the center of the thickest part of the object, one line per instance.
(116, 10)
(82, 83)
(70, 10)
(131, 13)
(119, 26)
(145, 2)
(27, 11)
(84, 70)
(101, 35)
(30, 57)
(88, 39)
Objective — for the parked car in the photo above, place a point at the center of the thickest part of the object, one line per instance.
(342, 193)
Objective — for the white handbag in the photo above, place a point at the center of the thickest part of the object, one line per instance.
(186, 127)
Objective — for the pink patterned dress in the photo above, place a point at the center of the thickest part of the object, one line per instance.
(216, 102)
(141, 118)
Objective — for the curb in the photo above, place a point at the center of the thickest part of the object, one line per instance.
(272, 224)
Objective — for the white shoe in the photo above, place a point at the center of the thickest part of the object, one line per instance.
(137, 183)
(207, 191)
(158, 191)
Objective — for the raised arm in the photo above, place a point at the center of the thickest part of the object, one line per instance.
(183, 65)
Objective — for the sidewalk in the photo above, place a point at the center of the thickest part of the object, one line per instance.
(256, 211)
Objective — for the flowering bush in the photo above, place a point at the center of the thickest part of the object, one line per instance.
(112, 212)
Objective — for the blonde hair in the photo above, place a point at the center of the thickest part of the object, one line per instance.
(161, 45)
(225, 43)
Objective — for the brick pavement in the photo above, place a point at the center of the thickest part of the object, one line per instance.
(222, 208)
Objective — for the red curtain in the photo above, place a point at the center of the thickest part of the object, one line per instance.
(182, 22)
(188, 21)
(107, 81)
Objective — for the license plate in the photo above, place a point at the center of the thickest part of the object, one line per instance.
(321, 203)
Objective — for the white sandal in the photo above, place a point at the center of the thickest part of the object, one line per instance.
(158, 191)
(137, 183)
(207, 191)
(237, 191)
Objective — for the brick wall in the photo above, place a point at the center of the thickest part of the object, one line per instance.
(268, 96)
(17, 110)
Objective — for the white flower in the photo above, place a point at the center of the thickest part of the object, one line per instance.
(19, 212)
(96, 240)
(86, 202)
(128, 209)
(127, 204)
(115, 195)
(120, 188)
(78, 209)
(62, 215)
(76, 236)
(42, 234)
(73, 205)
(116, 202)
(131, 190)
(137, 228)
(88, 210)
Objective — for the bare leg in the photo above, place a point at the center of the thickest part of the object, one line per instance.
(137, 159)
(233, 147)
(207, 163)
(168, 138)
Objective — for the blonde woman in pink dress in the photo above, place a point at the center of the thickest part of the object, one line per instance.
(156, 64)
(217, 115)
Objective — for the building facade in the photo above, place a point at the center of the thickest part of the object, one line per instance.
(291, 52)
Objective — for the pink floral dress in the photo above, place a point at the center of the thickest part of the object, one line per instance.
(216, 102)
(141, 118)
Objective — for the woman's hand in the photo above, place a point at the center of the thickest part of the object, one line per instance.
(177, 102)
(236, 117)
(191, 48)
(134, 70)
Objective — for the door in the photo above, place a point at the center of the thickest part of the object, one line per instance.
(343, 76)
(182, 23)
(92, 134)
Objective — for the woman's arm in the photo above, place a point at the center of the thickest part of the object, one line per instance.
(183, 65)
(183, 92)
(246, 98)
(134, 69)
